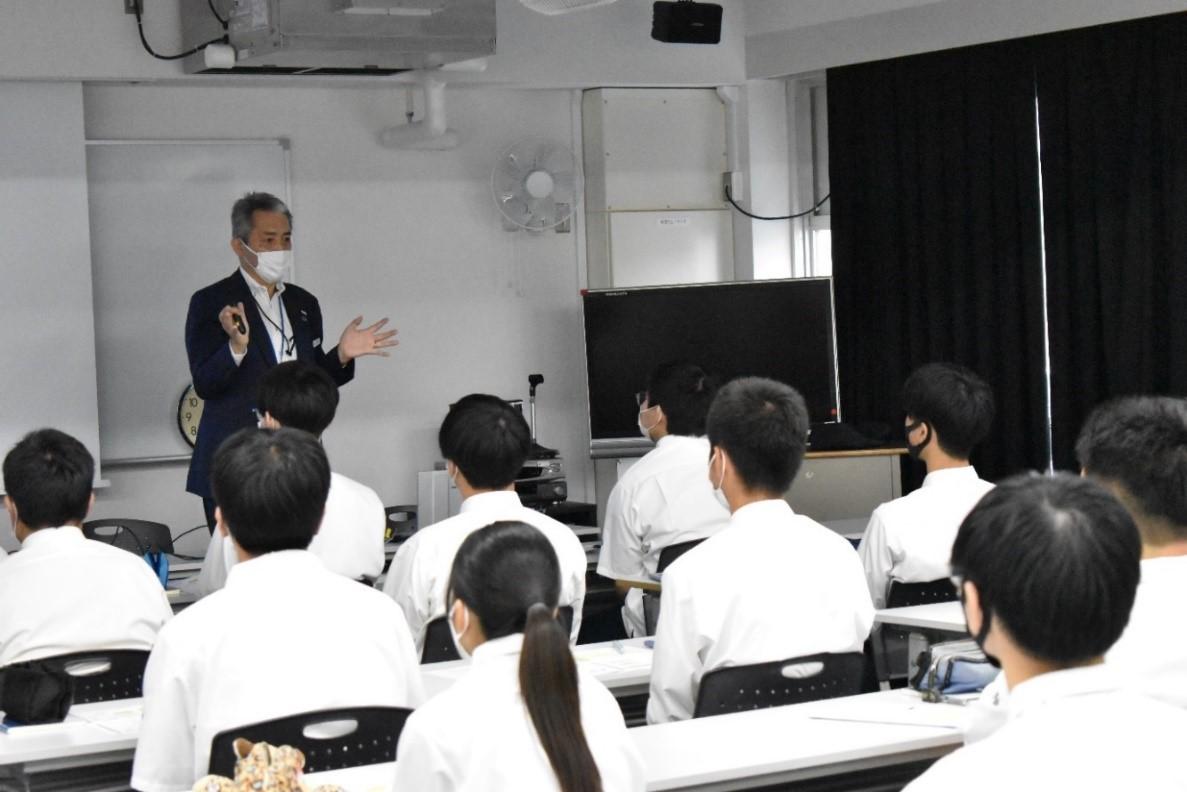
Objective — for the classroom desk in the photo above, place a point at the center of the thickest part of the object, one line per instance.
(947, 616)
(822, 739)
(856, 740)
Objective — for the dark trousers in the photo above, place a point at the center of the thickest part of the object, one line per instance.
(208, 507)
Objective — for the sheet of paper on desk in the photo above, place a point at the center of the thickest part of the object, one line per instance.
(609, 660)
(124, 721)
(17, 731)
(907, 709)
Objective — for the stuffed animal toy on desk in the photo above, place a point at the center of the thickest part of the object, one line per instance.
(262, 768)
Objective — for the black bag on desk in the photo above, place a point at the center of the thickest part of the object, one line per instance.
(30, 693)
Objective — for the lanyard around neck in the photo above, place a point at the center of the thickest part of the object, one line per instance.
(287, 343)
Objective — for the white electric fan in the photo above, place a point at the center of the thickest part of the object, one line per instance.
(535, 185)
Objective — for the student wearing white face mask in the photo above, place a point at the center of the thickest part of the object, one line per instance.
(664, 498)
(774, 584)
(485, 442)
(238, 328)
(524, 716)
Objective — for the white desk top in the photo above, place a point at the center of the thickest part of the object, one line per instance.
(937, 616)
(622, 666)
(782, 744)
(767, 746)
(90, 730)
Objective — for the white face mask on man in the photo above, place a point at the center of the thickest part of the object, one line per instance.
(273, 266)
(644, 429)
(453, 633)
(717, 483)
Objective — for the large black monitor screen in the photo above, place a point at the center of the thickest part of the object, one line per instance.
(777, 329)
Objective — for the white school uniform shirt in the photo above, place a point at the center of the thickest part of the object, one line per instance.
(349, 541)
(909, 539)
(273, 309)
(478, 735)
(64, 593)
(1072, 729)
(772, 586)
(1150, 657)
(1151, 654)
(418, 579)
(663, 499)
(284, 636)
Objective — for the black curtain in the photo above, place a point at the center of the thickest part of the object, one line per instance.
(936, 238)
(1113, 111)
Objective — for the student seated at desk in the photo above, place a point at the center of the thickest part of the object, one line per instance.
(774, 584)
(1048, 568)
(524, 716)
(1136, 448)
(64, 593)
(949, 411)
(300, 395)
(284, 636)
(485, 442)
(665, 497)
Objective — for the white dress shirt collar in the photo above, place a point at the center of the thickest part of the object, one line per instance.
(500, 500)
(506, 646)
(46, 537)
(1040, 691)
(950, 476)
(674, 439)
(764, 510)
(271, 568)
(258, 290)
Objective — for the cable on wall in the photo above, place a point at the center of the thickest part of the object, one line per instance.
(147, 48)
(815, 209)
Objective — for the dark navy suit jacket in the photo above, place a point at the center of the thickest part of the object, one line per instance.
(229, 391)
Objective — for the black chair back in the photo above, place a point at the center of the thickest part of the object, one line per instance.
(331, 739)
(102, 675)
(651, 598)
(401, 522)
(136, 536)
(674, 551)
(439, 648)
(762, 685)
(902, 595)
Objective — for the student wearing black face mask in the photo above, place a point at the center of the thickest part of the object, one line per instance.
(1048, 570)
(949, 411)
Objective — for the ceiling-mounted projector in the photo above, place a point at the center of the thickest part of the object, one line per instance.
(686, 22)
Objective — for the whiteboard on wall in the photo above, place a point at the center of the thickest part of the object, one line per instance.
(160, 219)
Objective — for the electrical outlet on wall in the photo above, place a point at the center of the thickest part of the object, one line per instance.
(133, 6)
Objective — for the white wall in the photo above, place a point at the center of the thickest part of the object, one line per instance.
(95, 40)
(411, 235)
(808, 35)
(47, 334)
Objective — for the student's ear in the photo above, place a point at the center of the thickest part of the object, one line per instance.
(219, 525)
(91, 504)
(10, 507)
(972, 606)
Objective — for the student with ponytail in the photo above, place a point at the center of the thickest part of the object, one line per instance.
(524, 716)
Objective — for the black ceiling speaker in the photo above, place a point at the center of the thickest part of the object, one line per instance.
(686, 22)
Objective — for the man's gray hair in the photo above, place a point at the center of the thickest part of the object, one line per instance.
(250, 203)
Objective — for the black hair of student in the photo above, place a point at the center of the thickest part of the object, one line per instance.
(508, 576)
(271, 486)
(49, 475)
(763, 426)
(487, 439)
(299, 395)
(956, 403)
(1140, 444)
(243, 212)
(1056, 560)
(684, 391)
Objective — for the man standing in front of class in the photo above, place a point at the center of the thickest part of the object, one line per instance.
(241, 326)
